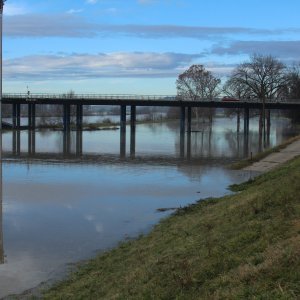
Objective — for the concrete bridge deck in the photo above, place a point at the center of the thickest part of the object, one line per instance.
(144, 100)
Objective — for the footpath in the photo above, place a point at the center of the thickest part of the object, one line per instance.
(275, 159)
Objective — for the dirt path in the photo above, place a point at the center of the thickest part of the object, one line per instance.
(275, 159)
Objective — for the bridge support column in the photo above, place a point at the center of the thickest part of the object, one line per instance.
(16, 115)
(182, 131)
(188, 146)
(31, 116)
(246, 120)
(132, 130)
(246, 132)
(268, 126)
(123, 131)
(66, 142)
(182, 119)
(79, 142)
(67, 117)
(79, 116)
(31, 141)
(189, 119)
(16, 142)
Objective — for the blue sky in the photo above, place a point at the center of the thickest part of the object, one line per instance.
(138, 46)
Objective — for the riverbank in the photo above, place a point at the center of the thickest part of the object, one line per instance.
(236, 247)
(259, 157)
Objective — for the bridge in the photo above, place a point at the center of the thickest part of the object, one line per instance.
(78, 100)
(129, 100)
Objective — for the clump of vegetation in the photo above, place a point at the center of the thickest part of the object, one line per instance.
(244, 246)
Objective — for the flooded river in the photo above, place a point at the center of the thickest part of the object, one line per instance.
(62, 202)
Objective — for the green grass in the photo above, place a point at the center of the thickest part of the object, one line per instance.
(244, 246)
(249, 161)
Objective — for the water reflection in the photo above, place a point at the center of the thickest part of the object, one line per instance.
(220, 139)
(68, 194)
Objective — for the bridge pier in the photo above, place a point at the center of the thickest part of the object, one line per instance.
(16, 119)
(79, 142)
(31, 141)
(66, 142)
(246, 120)
(79, 116)
(188, 146)
(67, 117)
(16, 142)
(189, 119)
(31, 116)
(132, 130)
(123, 131)
(182, 119)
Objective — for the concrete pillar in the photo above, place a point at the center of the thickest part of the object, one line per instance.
(14, 141)
(189, 119)
(246, 120)
(16, 119)
(31, 142)
(14, 115)
(182, 119)
(132, 130)
(18, 116)
(123, 117)
(189, 145)
(31, 115)
(66, 142)
(17, 142)
(182, 146)
(79, 142)
(133, 117)
(67, 117)
(79, 116)
(123, 131)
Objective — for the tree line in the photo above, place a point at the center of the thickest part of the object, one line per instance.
(263, 77)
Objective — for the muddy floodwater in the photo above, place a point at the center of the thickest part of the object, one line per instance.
(64, 199)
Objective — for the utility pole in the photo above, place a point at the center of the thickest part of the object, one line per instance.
(1, 63)
(1, 212)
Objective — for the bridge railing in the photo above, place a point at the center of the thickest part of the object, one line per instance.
(41, 96)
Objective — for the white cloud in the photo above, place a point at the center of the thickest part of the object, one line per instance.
(287, 50)
(70, 25)
(83, 66)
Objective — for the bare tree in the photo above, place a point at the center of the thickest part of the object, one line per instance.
(293, 86)
(196, 83)
(263, 77)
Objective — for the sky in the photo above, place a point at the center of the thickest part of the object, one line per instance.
(138, 46)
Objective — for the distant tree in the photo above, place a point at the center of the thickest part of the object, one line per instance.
(236, 89)
(262, 77)
(196, 83)
(293, 86)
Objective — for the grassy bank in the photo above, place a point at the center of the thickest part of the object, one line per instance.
(248, 161)
(245, 246)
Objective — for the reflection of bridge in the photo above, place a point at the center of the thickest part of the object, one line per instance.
(72, 148)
